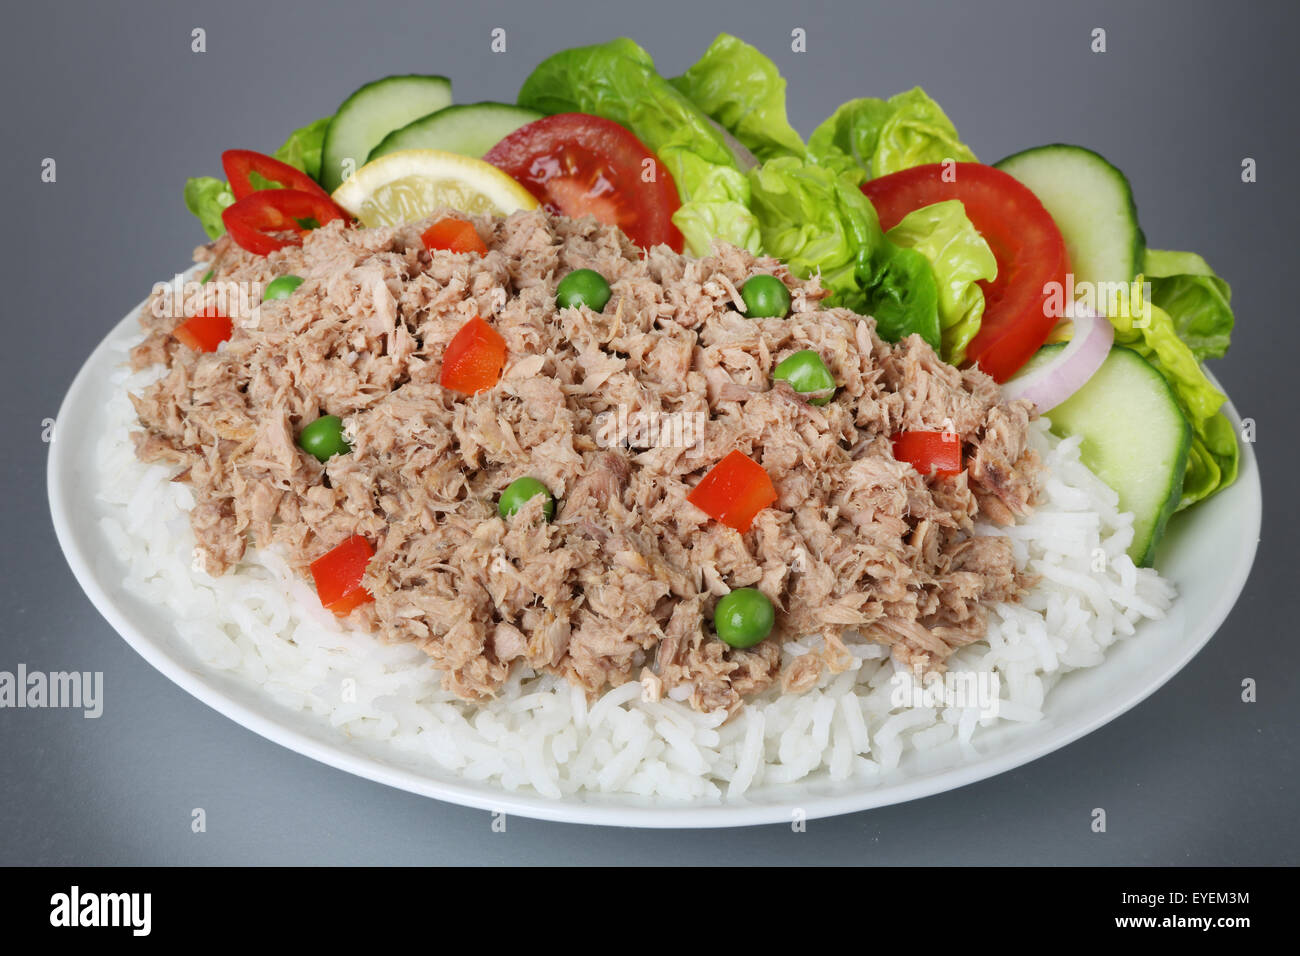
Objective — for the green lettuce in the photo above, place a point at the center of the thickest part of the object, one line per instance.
(206, 196)
(959, 257)
(720, 210)
(900, 291)
(742, 90)
(617, 80)
(302, 150)
(1198, 301)
(1190, 302)
(846, 142)
(1213, 461)
(814, 221)
(820, 222)
(866, 138)
(1216, 455)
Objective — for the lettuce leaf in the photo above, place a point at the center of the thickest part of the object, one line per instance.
(846, 142)
(1212, 464)
(918, 132)
(741, 89)
(1191, 321)
(617, 80)
(820, 223)
(1198, 301)
(814, 221)
(720, 210)
(959, 257)
(866, 138)
(900, 291)
(302, 150)
(206, 196)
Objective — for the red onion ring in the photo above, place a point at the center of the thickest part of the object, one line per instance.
(1049, 385)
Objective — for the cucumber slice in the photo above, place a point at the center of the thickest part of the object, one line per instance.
(371, 113)
(470, 129)
(1135, 438)
(1092, 204)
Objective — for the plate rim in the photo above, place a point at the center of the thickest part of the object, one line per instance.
(340, 756)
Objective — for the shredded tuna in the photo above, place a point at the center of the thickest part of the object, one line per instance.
(621, 585)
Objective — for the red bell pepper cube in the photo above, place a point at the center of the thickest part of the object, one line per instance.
(734, 491)
(473, 358)
(338, 573)
(205, 332)
(453, 235)
(930, 453)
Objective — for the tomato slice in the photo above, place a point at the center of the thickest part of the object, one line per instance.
(203, 333)
(253, 221)
(734, 491)
(473, 358)
(579, 165)
(240, 163)
(930, 453)
(1025, 241)
(453, 235)
(338, 573)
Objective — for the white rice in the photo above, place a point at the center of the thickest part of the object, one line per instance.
(266, 627)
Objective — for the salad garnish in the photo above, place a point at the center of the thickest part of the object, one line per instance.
(884, 203)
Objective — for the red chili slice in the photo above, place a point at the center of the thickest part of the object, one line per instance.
(473, 358)
(240, 163)
(254, 221)
(453, 235)
(930, 453)
(338, 575)
(734, 491)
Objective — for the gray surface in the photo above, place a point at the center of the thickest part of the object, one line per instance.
(115, 95)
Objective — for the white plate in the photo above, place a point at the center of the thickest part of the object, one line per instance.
(1208, 554)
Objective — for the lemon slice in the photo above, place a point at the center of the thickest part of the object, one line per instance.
(411, 183)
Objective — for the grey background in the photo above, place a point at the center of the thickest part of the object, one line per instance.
(114, 94)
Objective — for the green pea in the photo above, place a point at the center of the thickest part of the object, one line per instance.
(744, 617)
(766, 297)
(281, 288)
(522, 490)
(324, 438)
(806, 372)
(582, 287)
